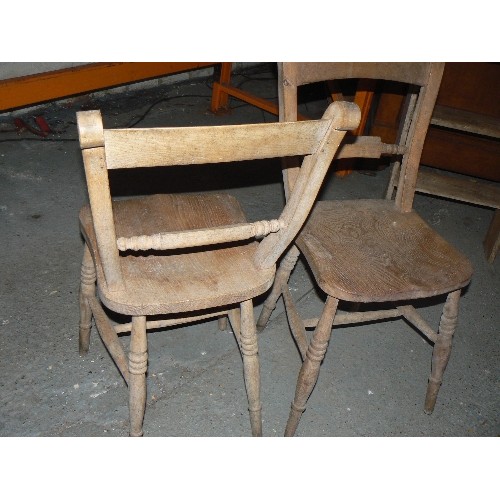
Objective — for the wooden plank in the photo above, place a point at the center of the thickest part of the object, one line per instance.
(33, 89)
(308, 72)
(462, 153)
(132, 148)
(469, 190)
(466, 121)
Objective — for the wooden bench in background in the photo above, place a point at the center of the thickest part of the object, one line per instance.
(34, 89)
(464, 138)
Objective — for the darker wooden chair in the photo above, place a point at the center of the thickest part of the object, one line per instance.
(186, 257)
(371, 251)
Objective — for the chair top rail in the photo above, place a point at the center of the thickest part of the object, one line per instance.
(302, 73)
(150, 147)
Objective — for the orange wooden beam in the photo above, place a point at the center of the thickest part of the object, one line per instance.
(33, 89)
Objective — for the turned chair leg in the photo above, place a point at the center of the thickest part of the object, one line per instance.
(282, 276)
(309, 372)
(137, 366)
(442, 349)
(250, 354)
(87, 290)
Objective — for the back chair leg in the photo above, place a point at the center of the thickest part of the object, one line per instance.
(281, 279)
(222, 323)
(235, 321)
(250, 354)
(442, 348)
(87, 290)
(137, 366)
(309, 372)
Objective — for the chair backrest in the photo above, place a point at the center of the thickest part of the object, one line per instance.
(316, 140)
(423, 81)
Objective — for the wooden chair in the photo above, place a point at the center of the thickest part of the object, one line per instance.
(375, 251)
(186, 257)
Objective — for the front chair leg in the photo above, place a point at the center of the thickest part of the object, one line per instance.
(442, 349)
(309, 372)
(281, 279)
(250, 354)
(87, 290)
(137, 366)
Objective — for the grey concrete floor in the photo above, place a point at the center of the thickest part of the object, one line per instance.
(374, 376)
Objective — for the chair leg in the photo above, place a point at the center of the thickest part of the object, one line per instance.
(442, 349)
(389, 192)
(250, 354)
(222, 323)
(282, 276)
(137, 366)
(235, 321)
(87, 290)
(309, 372)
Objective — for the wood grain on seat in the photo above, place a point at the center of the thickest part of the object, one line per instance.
(368, 251)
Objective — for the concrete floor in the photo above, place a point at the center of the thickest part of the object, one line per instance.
(373, 379)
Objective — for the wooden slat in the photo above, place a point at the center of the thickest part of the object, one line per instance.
(163, 323)
(127, 148)
(303, 73)
(356, 317)
(465, 121)
(469, 190)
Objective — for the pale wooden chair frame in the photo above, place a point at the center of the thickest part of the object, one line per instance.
(104, 149)
(423, 80)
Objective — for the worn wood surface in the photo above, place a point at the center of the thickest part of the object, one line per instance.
(168, 282)
(125, 148)
(368, 251)
(301, 73)
(469, 190)
(466, 121)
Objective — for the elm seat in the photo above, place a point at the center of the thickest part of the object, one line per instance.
(368, 251)
(173, 281)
